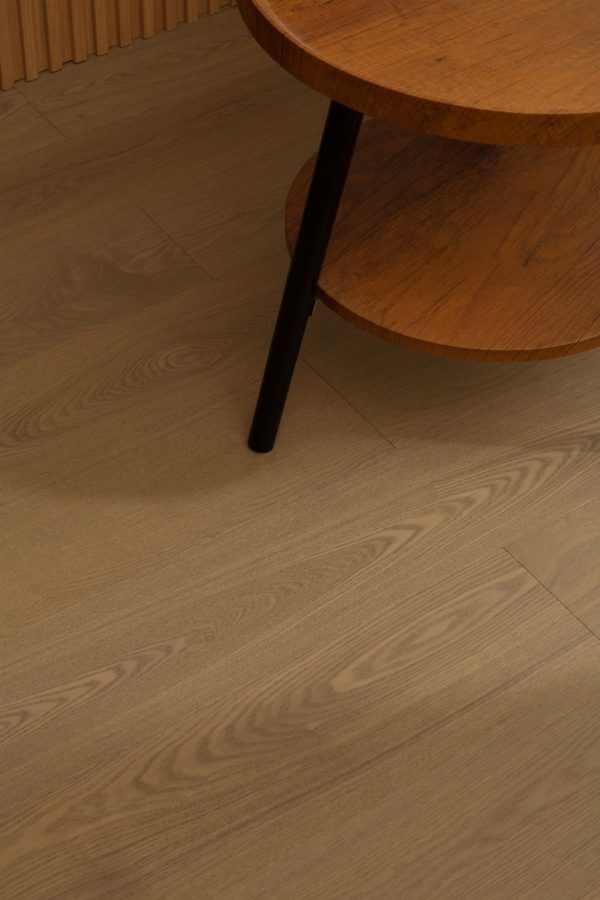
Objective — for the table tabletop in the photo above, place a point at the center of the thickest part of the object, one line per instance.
(490, 71)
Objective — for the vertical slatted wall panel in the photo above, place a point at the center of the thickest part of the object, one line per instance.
(54, 35)
(7, 63)
(100, 27)
(171, 14)
(43, 34)
(148, 25)
(124, 18)
(192, 10)
(79, 13)
(29, 38)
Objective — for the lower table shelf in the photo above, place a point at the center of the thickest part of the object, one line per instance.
(465, 250)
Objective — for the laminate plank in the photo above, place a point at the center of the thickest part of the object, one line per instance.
(173, 70)
(399, 520)
(86, 414)
(22, 128)
(235, 676)
(442, 410)
(563, 555)
(491, 72)
(234, 227)
(350, 701)
(154, 161)
(98, 261)
(486, 806)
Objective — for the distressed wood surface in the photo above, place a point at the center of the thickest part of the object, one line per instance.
(463, 249)
(492, 71)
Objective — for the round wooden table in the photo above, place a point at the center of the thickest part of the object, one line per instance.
(473, 235)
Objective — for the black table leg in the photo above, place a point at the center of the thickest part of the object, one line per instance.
(333, 161)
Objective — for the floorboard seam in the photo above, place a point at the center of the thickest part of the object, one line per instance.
(176, 242)
(345, 399)
(551, 592)
(42, 114)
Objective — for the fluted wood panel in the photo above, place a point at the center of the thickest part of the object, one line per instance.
(43, 34)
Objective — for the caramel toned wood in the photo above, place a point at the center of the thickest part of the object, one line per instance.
(192, 10)
(171, 14)
(148, 26)
(100, 20)
(28, 38)
(465, 250)
(79, 30)
(54, 34)
(8, 70)
(124, 23)
(491, 71)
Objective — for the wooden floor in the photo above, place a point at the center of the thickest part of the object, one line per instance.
(365, 667)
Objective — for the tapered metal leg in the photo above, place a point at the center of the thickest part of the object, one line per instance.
(333, 161)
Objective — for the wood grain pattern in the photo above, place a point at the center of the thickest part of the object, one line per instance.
(43, 34)
(465, 250)
(563, 555)
(314, 677)
(22, 129)
(354, 702)
(136, 264)
(182, 78)
(490, 72)
(382, 842)
(436, 408)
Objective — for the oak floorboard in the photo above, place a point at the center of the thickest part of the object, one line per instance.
(486, 806)
(227, 675)
(563, 554)
(444, 409)
(136, 418)
(94, 262)
(344, 701)
(215, 539)
(23, 128)
(150, 77)
(196, 158)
